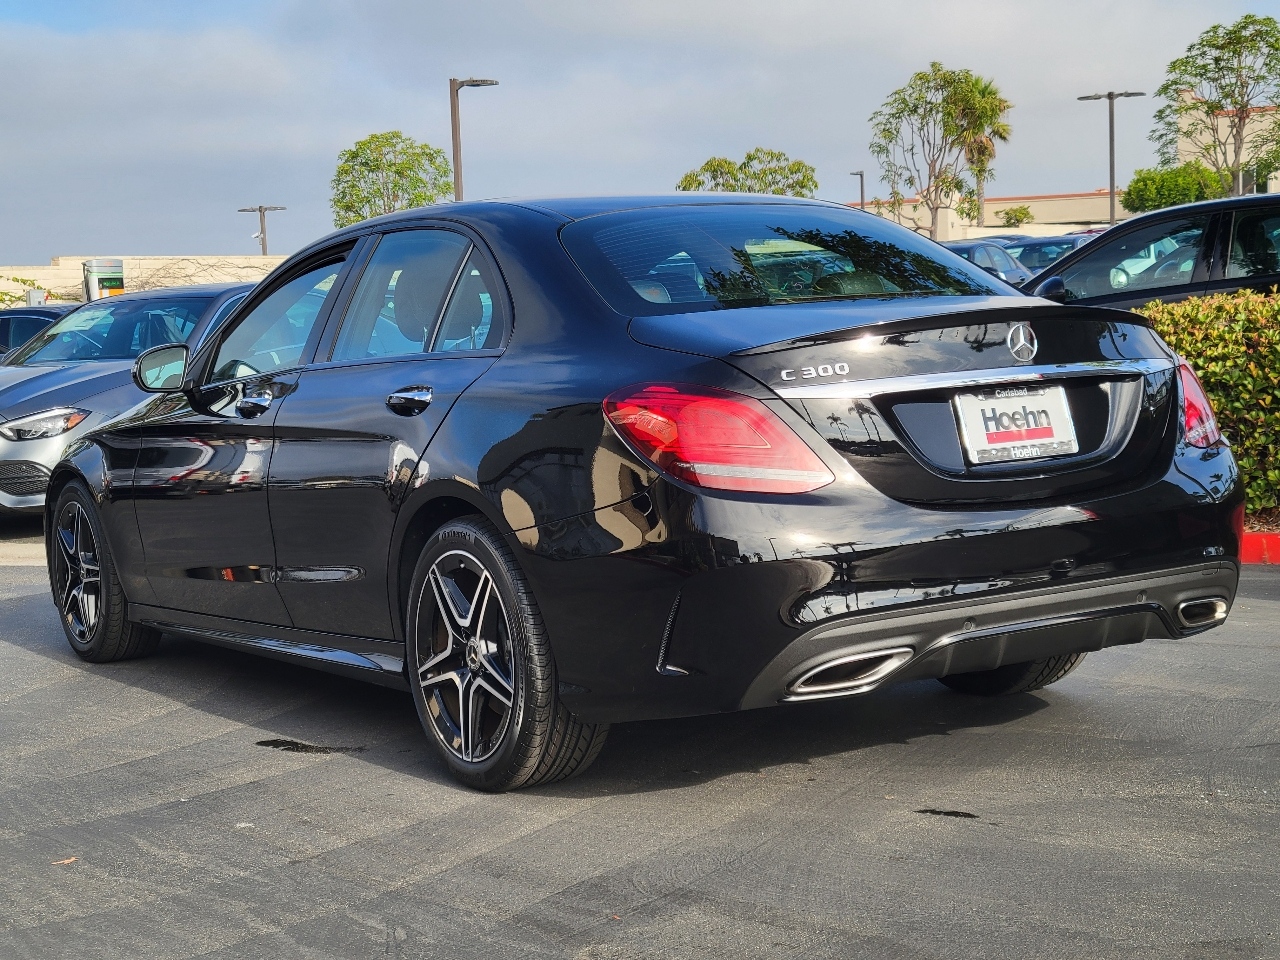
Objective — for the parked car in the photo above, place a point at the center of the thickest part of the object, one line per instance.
(1035, 254)
(553, 464)
(1187, 251)
(992, 258)
(1006, 238)
(20, 324)
(75, 374)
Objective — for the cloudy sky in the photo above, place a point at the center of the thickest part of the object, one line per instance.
(139, 126)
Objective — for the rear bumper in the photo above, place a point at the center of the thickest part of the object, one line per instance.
(967, 636)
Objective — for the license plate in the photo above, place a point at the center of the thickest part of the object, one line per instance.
(1004, 424)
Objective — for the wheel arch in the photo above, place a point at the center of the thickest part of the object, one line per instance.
(426, 511)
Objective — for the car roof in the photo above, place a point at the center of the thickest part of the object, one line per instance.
(50, 310)
(1207, 206)
(577, 208)
(171, 293)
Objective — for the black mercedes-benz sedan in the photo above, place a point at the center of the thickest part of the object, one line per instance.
(554, 464)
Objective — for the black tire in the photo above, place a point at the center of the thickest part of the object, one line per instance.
(485, 687)
(1014, 677)
(91, 603)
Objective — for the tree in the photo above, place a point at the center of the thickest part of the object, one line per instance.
(761, 171)
(1015, 216)
(386, 172)
(982, 119)
(919, 136)
(1162, 187)
(1218, 98)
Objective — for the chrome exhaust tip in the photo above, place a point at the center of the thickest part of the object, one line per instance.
(1203, 612)
(848, 675)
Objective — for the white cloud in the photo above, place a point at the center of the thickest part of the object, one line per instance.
(145, 139)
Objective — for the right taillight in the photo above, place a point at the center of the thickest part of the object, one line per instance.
(1199, 426)
(715, 438)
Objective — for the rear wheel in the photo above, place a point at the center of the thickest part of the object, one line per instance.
(481, 670)
(1014, 677)
(91, 603)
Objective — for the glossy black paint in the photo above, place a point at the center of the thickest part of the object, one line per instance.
(295, 533)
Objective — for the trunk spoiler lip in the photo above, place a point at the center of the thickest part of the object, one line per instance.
(748, 331)
(970, 379)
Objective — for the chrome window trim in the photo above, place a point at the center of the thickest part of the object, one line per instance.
(866, 389)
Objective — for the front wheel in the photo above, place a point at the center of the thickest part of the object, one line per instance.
(91, 603)
(480, 666)
(1014, 677)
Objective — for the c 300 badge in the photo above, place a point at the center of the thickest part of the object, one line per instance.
(821, 370)
(1022, 343)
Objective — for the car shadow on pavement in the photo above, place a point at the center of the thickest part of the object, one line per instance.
(288, 704)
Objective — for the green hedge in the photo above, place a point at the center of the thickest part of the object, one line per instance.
(1232, 341)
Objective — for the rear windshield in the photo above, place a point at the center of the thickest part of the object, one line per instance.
(107, 330)
(687, 258)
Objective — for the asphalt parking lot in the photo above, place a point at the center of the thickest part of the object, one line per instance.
(1129, 811)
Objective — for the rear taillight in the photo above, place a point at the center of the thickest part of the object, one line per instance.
(714, 438)
(1199, 427)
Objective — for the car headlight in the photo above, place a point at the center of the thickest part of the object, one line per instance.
(50, 423)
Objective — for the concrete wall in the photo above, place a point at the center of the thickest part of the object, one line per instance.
(64, 276)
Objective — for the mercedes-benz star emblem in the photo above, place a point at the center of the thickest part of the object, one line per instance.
(1022, 343)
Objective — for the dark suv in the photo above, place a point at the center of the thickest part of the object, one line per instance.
(1187, 251)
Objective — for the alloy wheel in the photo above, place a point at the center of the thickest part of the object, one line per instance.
(465, 662)
(78, 572)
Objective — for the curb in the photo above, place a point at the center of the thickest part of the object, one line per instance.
(1260, 548)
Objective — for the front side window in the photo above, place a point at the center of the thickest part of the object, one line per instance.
(273, 334)
(1001, 260)
(398, 299)
(681, 259)
(981, 258)
(108, 330)
(1162, 254)
(1255, 242)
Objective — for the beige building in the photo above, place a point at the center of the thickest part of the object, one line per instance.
(63, 278)
(1053, 213)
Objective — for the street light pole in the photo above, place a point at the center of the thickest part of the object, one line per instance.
(454, 87)
(1111, 96)
(862, 188)
(261, 211)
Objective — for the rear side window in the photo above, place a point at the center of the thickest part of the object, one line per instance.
(401, 291)
(705, 257)
(473, 319)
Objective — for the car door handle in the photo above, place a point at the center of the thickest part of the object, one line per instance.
(409, 401)
(253, 405)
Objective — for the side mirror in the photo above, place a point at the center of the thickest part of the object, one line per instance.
(1051, 288)
(161, 369)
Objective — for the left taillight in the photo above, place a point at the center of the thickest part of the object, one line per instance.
(1199, 426)
(715, 439)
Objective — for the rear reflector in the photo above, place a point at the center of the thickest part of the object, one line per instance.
(714, 438)
(1199, 426)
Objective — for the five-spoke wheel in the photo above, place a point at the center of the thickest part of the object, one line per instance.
(85, 587)
(466, 668)
(77, 574)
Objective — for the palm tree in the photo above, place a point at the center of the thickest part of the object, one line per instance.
(982, 120)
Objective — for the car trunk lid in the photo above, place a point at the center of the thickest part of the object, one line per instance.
(939, 400)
